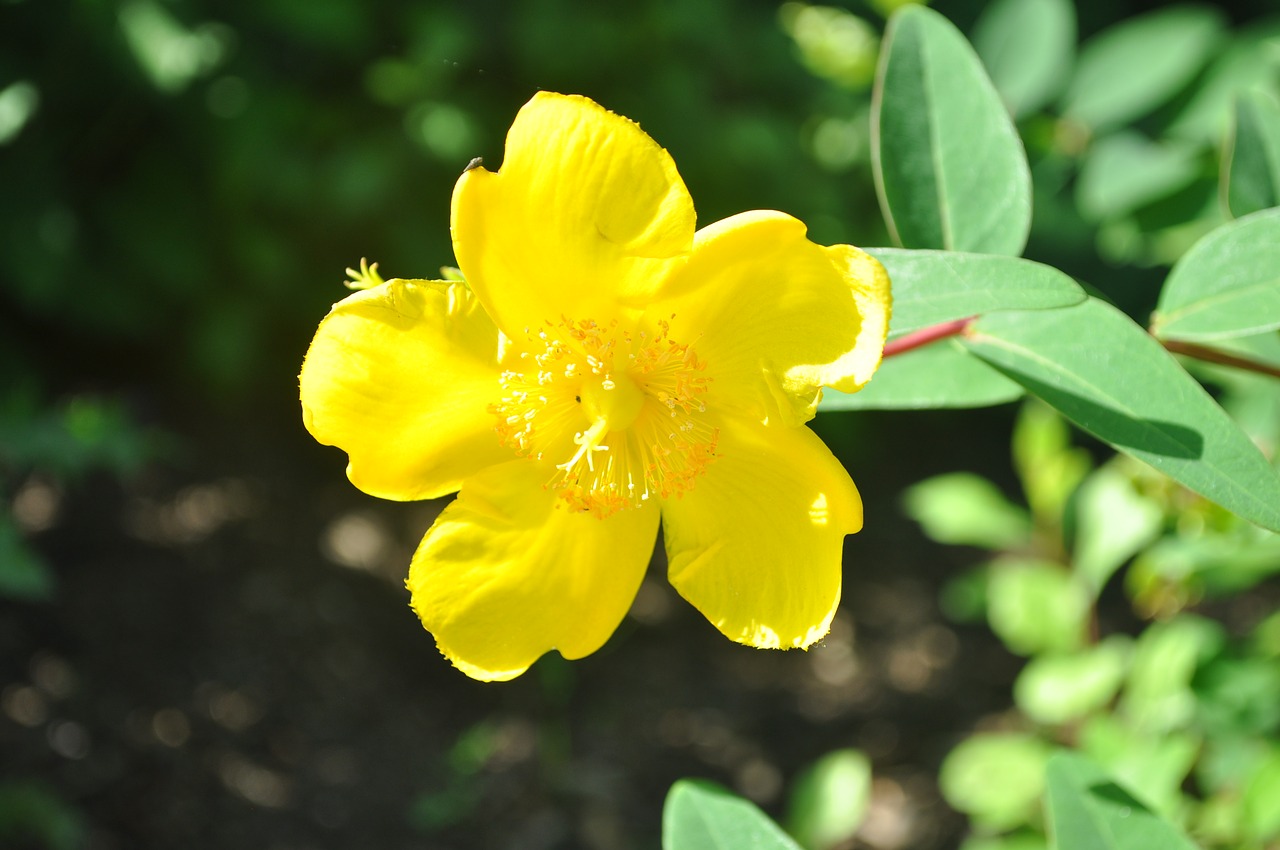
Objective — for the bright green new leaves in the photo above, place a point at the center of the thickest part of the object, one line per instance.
(1227, 285)
(963, 509)
(703, 816)
(1036, 606)
(830, 800)
(1056, 689)
(949, 166)
(1251, 170)
(1113, 523)
(1130, 69)
(1087, 809)
(1109, 377)
(996, 779)
(1028, 47)
(930, 287)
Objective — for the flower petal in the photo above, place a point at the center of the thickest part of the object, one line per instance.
(775, 316)
(756, 545)
(509, 572)
(586, 211)
(399, 376)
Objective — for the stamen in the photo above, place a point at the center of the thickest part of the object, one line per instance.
(625, 410)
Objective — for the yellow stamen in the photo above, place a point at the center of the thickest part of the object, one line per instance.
(626, 411)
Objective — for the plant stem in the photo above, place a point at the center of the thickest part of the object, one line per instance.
(1213, 355)
(924, 336)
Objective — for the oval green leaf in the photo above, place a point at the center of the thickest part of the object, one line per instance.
(1088, 809)
(1128, 70)
(1028, 47)
(940, 375)
(930, 287)
(1227, 285)
(949, 166)
(1125, 171)
(703, 816)
(1251, 169)
(1109, 377)
(830, 800)
(995, 778)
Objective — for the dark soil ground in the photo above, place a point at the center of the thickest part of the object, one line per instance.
(230, 662)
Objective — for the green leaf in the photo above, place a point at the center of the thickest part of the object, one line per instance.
(938, 375)
(1089, 811)
(1056, 689)
(1049, 468)
(700, 815)
(995, 778)
(931, 287)
(1262, 801)
(1227, 285)
(1108, 376)
(830, 800)
(1036, 606)
(1153, 765)
(963, 509)
(1248, 62)
(1251, 167)
(1028, 47)
(31, 813)
(1113, 523)
(1158, 696)
(949, 165)
(1126, 171)
(1131, 68)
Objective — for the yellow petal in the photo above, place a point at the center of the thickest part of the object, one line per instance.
(756, 545)
(399, 377)
(775, 316)
(586, 211)
(509, 572)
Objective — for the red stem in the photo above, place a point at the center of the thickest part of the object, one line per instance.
(1213, 355)
(924, 336)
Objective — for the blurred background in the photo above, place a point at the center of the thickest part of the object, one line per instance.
(204, 635)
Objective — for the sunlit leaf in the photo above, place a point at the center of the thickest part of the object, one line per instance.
(1158, 696)
(1261, 808)
(995, 778)
(961, 508)
(1154, 765)
(1036, 607)
(703, 816)
(1049, 468)
(830, 800)
(1056, 689)
(938, 375)
(1087, 809)
(949, 165)
(1125, 171)
(930, 287)
(1113, 523)
(1227, 285)
(1028, 47)
(1131, 68)
(1251, 170)
(1107, 375)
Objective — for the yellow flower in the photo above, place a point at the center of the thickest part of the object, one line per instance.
(604, 366)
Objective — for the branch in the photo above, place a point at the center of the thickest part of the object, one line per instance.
(1213, 355)
(924, 336)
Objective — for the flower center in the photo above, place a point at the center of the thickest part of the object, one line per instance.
(619, 414)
